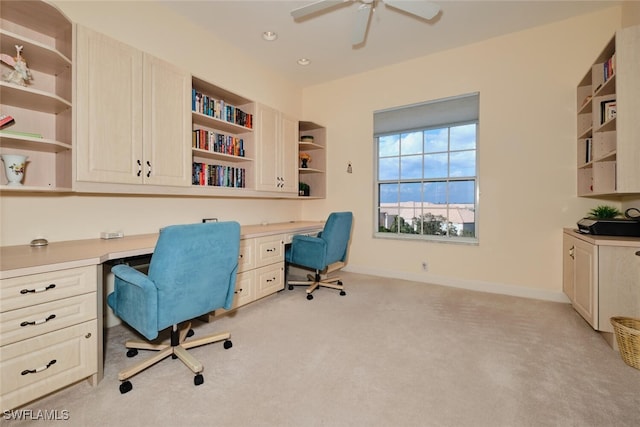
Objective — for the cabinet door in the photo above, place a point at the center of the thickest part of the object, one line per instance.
(109, 109)
(289, 154)
(167, 124)
(568, 255)
(585, 278)
(619, 284)
(267, 122)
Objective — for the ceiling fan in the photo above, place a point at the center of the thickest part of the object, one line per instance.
(421, 8)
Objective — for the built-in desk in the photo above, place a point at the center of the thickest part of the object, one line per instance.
(51, 302)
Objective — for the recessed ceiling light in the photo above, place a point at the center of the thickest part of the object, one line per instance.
(269, 36)
(304, 61)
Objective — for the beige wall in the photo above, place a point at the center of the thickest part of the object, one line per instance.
(630, 13)
(527, 150)
(527, 154)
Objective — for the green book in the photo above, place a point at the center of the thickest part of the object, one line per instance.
(17, 133)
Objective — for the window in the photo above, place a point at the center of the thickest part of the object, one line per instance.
(426, 157)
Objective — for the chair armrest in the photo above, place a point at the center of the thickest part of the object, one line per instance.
(308, 252)
(135, 300)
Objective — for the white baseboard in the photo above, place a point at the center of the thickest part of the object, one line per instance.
(474, 285)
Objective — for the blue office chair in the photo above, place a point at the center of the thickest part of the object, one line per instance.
(324, 253)
(192, 272)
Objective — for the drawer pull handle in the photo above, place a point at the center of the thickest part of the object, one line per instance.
(271, 280)
(271, 250)
(38, 322)
(239, 291)
(40, 369)
(36, 290)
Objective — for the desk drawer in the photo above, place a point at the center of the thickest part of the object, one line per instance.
(247, 257)
(74, 350)
(23, 291)
(28, 322)
(269, 280)
(270, 250)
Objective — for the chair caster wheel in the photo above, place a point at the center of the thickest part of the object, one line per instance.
(340, 282)
(309, 297)
(125, 387)
(132, 352)
(198, 379)
(290, 287)
(227, 344)
(190, 333)
(343, 293)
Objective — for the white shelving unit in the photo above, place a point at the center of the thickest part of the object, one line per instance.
(608, 152)
(43, 107)
(315, 173)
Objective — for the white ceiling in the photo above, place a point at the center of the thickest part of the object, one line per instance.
(393, 36)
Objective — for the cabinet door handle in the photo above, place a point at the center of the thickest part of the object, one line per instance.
(40, 369)
(139, 168)
(36, 290)
(149, 171)
(571, 250)
(38, 322)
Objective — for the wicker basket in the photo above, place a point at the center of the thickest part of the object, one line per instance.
(627, 332)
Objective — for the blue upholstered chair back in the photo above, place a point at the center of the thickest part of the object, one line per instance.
(337, 232)
(192, 272)
(194, 268)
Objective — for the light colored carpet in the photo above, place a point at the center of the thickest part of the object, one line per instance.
(389, 353)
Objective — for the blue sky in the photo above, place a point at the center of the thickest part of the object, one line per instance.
(402, 157)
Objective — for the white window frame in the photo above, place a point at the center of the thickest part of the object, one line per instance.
(443, 119)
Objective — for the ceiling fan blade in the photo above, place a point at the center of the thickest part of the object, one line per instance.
(423, 9)
(312, 8)
(363, 14)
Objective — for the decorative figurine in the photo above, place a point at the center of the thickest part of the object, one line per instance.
(20, 74)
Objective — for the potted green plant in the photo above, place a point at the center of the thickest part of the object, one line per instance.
(604, 212)
(303, 189)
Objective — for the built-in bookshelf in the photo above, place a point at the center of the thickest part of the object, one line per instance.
(223, 143)
(312, 144)
(608, 105)
(42, 110)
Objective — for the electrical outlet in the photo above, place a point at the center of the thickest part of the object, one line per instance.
(425, 266)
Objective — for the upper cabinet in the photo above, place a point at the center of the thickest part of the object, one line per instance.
(42, 110)
(608, 103)
(133, 116)
(119, 120)
(277, 150)
(311, 146)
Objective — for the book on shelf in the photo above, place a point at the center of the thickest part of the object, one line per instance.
(588, 148)
(18, 133)
(609, 67)
(6, 120)
(607, 110)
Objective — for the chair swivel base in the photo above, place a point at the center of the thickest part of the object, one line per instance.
(315, 282)
(177, 348)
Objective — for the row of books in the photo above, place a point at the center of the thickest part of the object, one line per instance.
(609, 67)
(608, 111)
(219, 109)
(217, 142)
(218, 175)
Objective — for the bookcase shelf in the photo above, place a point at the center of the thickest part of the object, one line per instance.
(44, 106)
(608, 105)
(219, 116)
(315, 174)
